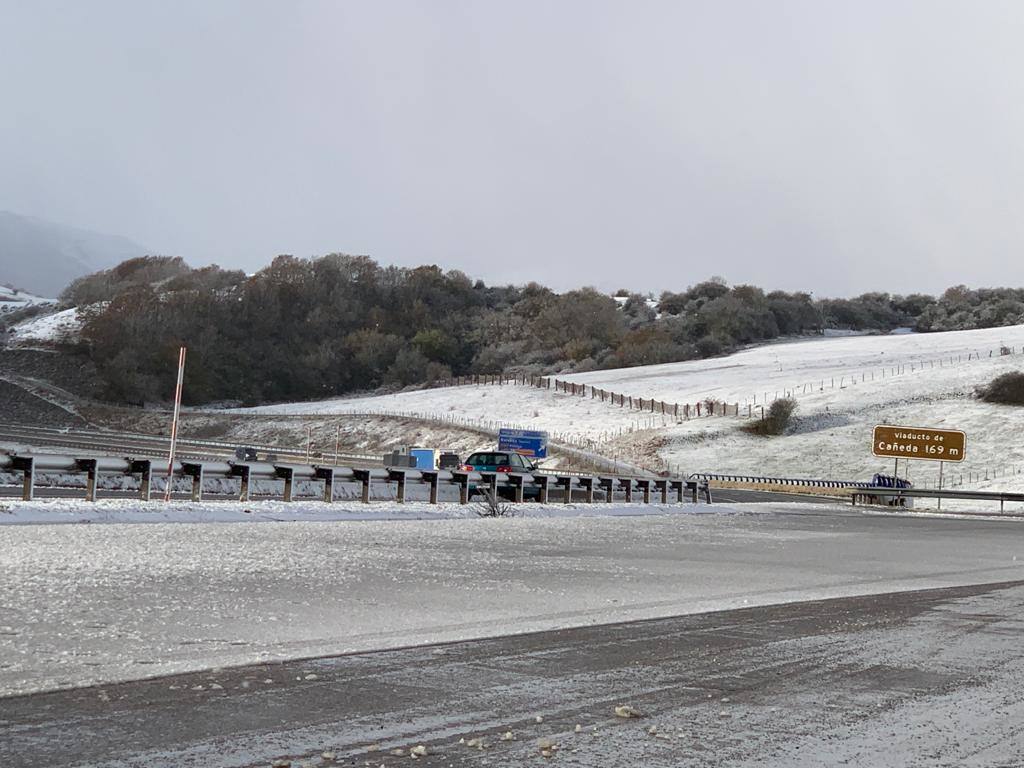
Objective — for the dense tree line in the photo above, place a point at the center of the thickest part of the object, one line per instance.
(309, 328)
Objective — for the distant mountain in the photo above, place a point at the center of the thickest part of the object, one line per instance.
(44, 257)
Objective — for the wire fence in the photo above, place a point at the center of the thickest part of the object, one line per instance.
(752, 407)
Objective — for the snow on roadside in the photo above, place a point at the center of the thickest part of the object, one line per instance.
(72, 511)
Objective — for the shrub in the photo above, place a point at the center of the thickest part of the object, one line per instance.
(491, 505)
(776, 420)
(1007, 389)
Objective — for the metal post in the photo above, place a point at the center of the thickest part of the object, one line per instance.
(543, 480)
(174, 424)
(517, 485)
(588, 487)
(363, 476)
(288, 474)
(90, 468)
(432, 483)
(145, 468)
(27, 464)
(243, 472)
(327, 474)
(662, 485)
(337, 443)
(309, 441)
(940, 485)
(398, 476)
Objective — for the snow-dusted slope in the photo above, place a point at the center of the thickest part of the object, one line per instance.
(47, 329)
(844, 386)
(12, 299)
(793, 365)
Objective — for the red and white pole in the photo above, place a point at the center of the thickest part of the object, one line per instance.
(174, 425)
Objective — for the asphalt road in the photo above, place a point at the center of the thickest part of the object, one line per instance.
(918, 678)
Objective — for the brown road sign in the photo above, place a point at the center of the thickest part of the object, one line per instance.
(919, 443)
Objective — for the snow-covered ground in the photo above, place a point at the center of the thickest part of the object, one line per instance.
(92, 603)
(844, 386)
(811, 363)
(47, 329)
(106, 511)
(12, 299)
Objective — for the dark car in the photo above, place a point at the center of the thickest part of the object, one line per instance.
(501, 461)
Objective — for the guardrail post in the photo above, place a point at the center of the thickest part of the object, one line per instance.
(588, 488)
(679, 486)
(195, 471)
(431, 478)
(517, 488)
(288, 475)
(398, 476)
(145, 469)
(645, 486)
(327, 475)
(492, 483)
(462, 478)
(363, 476)
(566, 483)
(662, 486)
(626, 484)
(89, 467)
(243, 471)
(542, 481)
(27, 465)
(608, 483)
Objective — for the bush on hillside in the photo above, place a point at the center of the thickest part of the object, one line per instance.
(776, 420)
(1006, 389)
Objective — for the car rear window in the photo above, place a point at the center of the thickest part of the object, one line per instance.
(488, 459)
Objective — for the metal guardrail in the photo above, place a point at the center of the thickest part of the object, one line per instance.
(921, 493)
(808, 482)
(31, 465)
(139, 443)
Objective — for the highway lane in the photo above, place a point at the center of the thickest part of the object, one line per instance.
(918, 678)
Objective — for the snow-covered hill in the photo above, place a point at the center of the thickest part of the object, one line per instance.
(52, 328)
(13, 299)
(844, 386)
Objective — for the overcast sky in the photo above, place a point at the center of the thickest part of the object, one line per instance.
(823, 146)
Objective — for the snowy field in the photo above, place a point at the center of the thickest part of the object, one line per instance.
(844, 386)
(89, 603)
(792, 365)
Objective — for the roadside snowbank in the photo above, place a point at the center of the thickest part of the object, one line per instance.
(64, 511)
